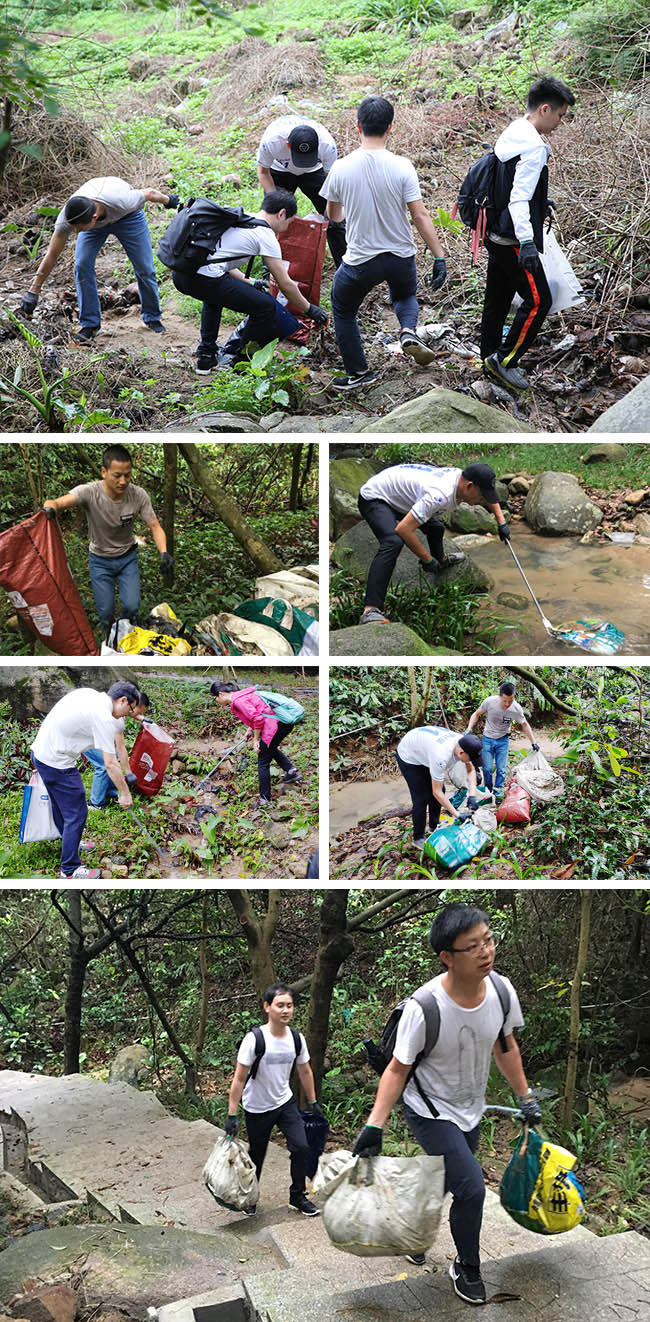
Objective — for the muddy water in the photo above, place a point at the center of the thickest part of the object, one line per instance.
(354, 802)
(569, 580)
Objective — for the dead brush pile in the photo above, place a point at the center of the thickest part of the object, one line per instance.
(263, 71)
(71, 152)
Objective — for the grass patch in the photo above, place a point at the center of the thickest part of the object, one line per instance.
(530, 457)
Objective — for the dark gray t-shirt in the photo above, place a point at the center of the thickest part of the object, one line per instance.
(110, 522)
(498, 719)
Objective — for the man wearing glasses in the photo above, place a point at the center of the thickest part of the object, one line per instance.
(81, 720)
(445, 1099)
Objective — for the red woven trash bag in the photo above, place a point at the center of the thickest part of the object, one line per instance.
(149, 757)
(516, 805)
(303, 247)
(35, 575)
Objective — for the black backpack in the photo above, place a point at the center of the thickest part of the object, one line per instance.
(194, 233)
(380, 1053)
(260, 1048)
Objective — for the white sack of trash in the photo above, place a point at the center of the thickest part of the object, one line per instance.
(380, 1206)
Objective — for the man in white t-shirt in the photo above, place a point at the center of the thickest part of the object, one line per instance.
(444, 1097)
(398, 501)
(500, 711)
(263, 1083)
(378, 194)
(298, 153)
(220, 284)
(424, 756)
(81, 720)
(99, 208)
(102, 788)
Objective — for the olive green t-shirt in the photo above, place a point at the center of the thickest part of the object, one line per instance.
(110, 522)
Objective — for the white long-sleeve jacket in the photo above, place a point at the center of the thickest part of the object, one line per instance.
(521, 139)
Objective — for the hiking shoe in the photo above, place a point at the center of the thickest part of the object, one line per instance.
(345, 383)
(419, 844)
(87, 845)
(81, 874)
(262, 803)
(85, 336)
(418, 1259)
(415, 347)
(206, 363)
(511, 377)
(156, 326)
(300, 1203)
(467, 1282)
(293, 777)
(96, 807)
(373, 616)
(452, 558)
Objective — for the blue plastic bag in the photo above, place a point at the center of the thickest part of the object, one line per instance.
(456, 844)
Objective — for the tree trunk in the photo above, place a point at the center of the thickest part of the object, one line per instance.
(77, 964)
(544, 689)
(336, 944)
(205, 986)
(296, 461)
(5, 127)
(265, 561)
(170, 453)
(258, 935)
(419, 704)
(586, 900)
(24, 450)
(174, 1040)
(305, 474)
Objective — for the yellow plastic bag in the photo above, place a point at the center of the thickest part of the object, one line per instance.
(147, 641)
(539, 1189)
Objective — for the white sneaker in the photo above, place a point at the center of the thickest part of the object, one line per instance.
(81, 874)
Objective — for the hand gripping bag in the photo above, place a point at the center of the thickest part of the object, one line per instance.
(37, 820)
(316, 1131)
(538, 1187)
(230, 1175)
(35, 575)
(456, 844)
(149, 757)
(516, 805)
(537, 776)
(379, 1206)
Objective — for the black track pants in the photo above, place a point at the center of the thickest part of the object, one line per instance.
(259, 1126)
(383, 520)
(505, 278)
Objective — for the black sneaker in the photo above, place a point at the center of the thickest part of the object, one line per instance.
(293, 777)
(415, 347)
(418, 1259)
(467, 1282)
(345, 383)
(206, 363)
(249, 1211)
(157, 327)
(84, 337)
(511, 377)
(300, 1203)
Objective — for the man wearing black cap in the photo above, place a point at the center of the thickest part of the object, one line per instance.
(99, 208)
(424, 755)
(299, 153)
(400, 500)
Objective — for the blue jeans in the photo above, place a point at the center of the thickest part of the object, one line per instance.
(102, 787)
(495, 750)
(69, 809)
(349, 288)
(108, 571)
(463, 1177)
(133, 234)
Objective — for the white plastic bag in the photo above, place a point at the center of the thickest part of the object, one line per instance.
(566, 290)
(37, 820)
(538, 778)
(457, 774)
(230, 1175)
(485, 817)
(380, 1206)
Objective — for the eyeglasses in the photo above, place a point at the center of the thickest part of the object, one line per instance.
(488, 943)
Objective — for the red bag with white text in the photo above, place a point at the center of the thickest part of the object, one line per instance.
(516, 805)
(35, 575)
(149, 757)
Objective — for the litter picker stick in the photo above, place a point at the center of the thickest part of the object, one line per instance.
(546, 622)
(228, 753)
(162, 854)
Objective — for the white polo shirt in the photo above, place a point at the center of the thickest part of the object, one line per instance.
(82, 719)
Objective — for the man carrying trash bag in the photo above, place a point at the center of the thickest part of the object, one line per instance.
(444, 1096)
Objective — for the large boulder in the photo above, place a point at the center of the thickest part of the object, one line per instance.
(31, 691)
(557, 505)
(355, 550)
(131, 1065)
(642, 524)
(308, 423)
(607, 452)
(631, 413)
(471, 518)
(443, 410)
(381, 640)
(347, 476)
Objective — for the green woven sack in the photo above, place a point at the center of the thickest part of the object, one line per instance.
(456, 844)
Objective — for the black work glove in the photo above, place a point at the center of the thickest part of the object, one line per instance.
(550, 208)
(464, 814)
(368, 1142)
(530, 1110)
(472, 802)
(429, 566)
(504, 532)
(261, 284)
(167, 563)
(28, 303)
(536, 748)
(317, 314)
(131, 779)
(316, 1109)
(172, 201)
(231, 1126)
(49, 512)
(528, 256)
(438, 274)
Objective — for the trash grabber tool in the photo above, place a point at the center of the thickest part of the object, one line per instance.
(591, 635)
(228, 753)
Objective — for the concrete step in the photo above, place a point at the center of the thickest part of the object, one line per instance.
(569, 1279)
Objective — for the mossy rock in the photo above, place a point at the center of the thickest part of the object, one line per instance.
(347, 476)
(391, 639)
(443, 410)
(355, 550)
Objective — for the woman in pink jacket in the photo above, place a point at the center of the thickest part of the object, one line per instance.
(268, 733)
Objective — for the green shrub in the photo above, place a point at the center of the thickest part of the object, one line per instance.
(612, 42)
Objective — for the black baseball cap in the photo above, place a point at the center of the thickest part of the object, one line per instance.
(484, 478)
(303, 141)
(470, 743)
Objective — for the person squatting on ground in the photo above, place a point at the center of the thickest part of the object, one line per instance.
(500, 711)
(220, 284)
(444, 1112)
(401, 499)
(298, 153)
(99, 208)
(515, 243)
(263, 1084)
(424, 755)
(112, 506)
(268, 734)
(375, 191)
(102, 788)
(82, 720)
